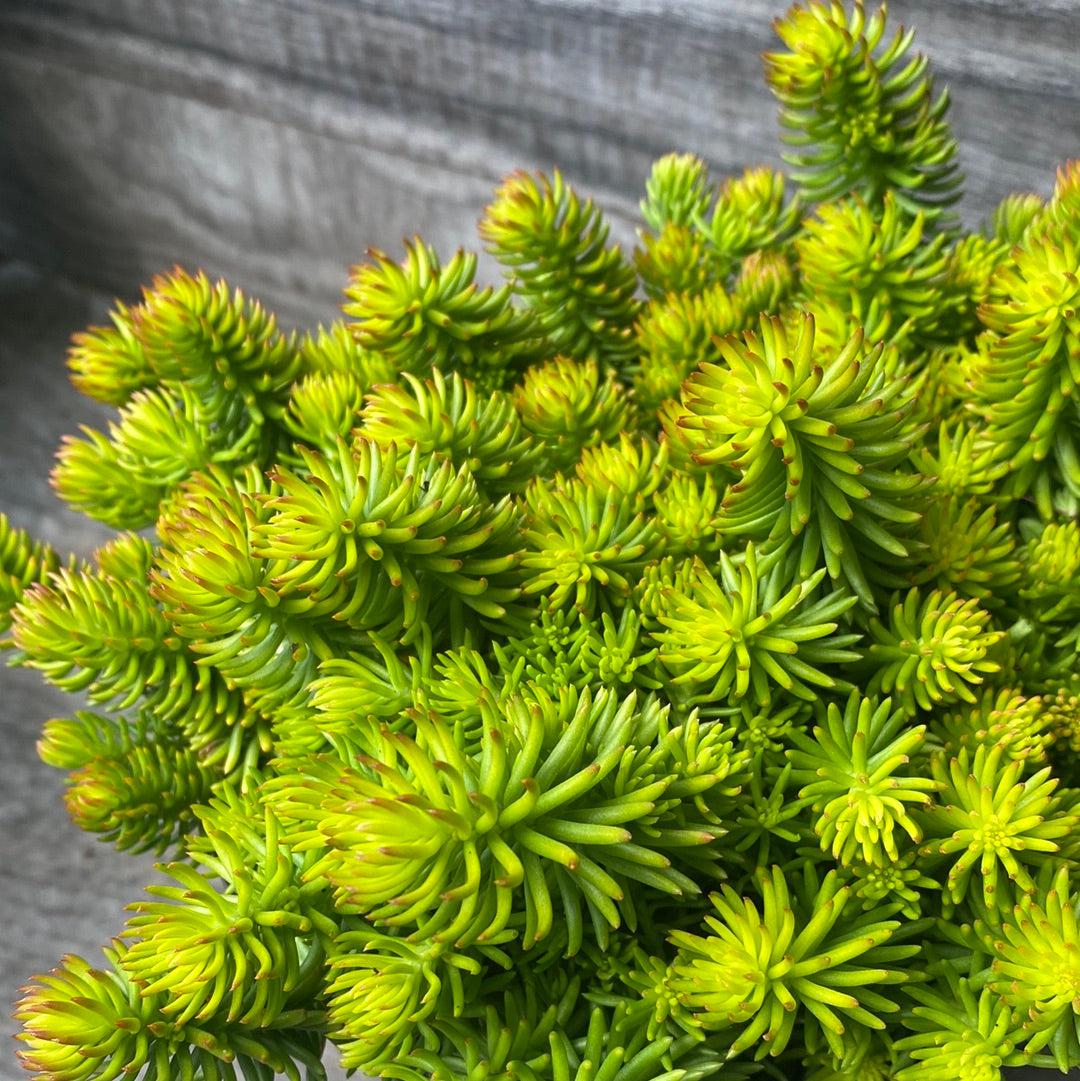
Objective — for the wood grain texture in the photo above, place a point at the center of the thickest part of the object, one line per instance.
(275, 140)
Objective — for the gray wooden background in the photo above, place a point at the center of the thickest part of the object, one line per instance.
(274, 140)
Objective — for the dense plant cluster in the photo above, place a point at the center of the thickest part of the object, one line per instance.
(656, 668)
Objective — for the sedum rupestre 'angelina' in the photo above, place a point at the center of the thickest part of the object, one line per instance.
(656, 666)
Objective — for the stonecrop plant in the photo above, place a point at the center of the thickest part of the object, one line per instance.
(661, 666)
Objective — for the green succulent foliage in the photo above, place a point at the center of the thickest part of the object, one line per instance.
(855, 776)
(749, 215)
(1028, 405)
(217, 343)
(858, 256)
(632, 468)
(966, 549)
(160, 439)
(817, 446)
(901, 883)
(688, 514)
(325, 404)
(1015, 215)
(971, 264)
(335, 349)
(677, 192)
(676, 260)
(102, 633)
(835, 322)
(1021, 725)
(325, 408)
(1062, 216)
(766, 824)
(214, 977)
(242, 954)
(957, 1033)
(646, 670)
(1062, 709)
(216, 595)
(569, 1039)
(559, 651)
(362, 529)
(766, 279)
(109, 363)
(763, 967)
(554, 247)
(992, 825)
(747, 633)
(1049, 588)
(933, 649)
(559, 818)
(567, 405)
(422, 315)
(677, 333)
(87, 1024)
(381, 987)
(448, 416)
(134, 783)
(24, 562)
(861, 114)
(202, 375)
(1036, 968)
(962, 462)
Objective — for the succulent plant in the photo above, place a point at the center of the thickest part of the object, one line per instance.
(657, 667)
